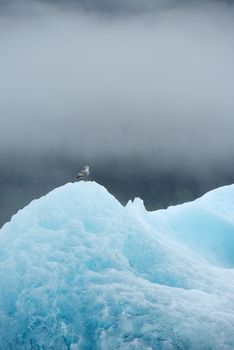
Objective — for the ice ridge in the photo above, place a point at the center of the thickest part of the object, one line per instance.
(79, 271)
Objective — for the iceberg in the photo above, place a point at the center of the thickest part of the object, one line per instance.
(79, 271)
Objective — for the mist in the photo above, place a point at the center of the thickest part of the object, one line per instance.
(107, 84)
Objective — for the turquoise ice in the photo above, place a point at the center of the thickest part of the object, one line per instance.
(79, 271)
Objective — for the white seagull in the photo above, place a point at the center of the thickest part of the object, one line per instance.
(83, 174)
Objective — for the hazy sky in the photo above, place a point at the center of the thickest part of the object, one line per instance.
(154, 79)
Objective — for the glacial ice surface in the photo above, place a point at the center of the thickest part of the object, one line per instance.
(79, 271)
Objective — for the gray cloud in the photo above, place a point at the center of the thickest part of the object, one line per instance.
(157, 84)
(99, 6)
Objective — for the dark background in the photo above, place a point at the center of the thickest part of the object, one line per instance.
(25, 180)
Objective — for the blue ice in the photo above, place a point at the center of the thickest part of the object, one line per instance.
(79, 271)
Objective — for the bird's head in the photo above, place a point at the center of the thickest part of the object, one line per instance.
(86, 167)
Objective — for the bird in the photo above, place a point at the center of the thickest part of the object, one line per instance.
(83, 174)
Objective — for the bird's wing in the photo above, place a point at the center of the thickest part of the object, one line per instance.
(82, 173)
